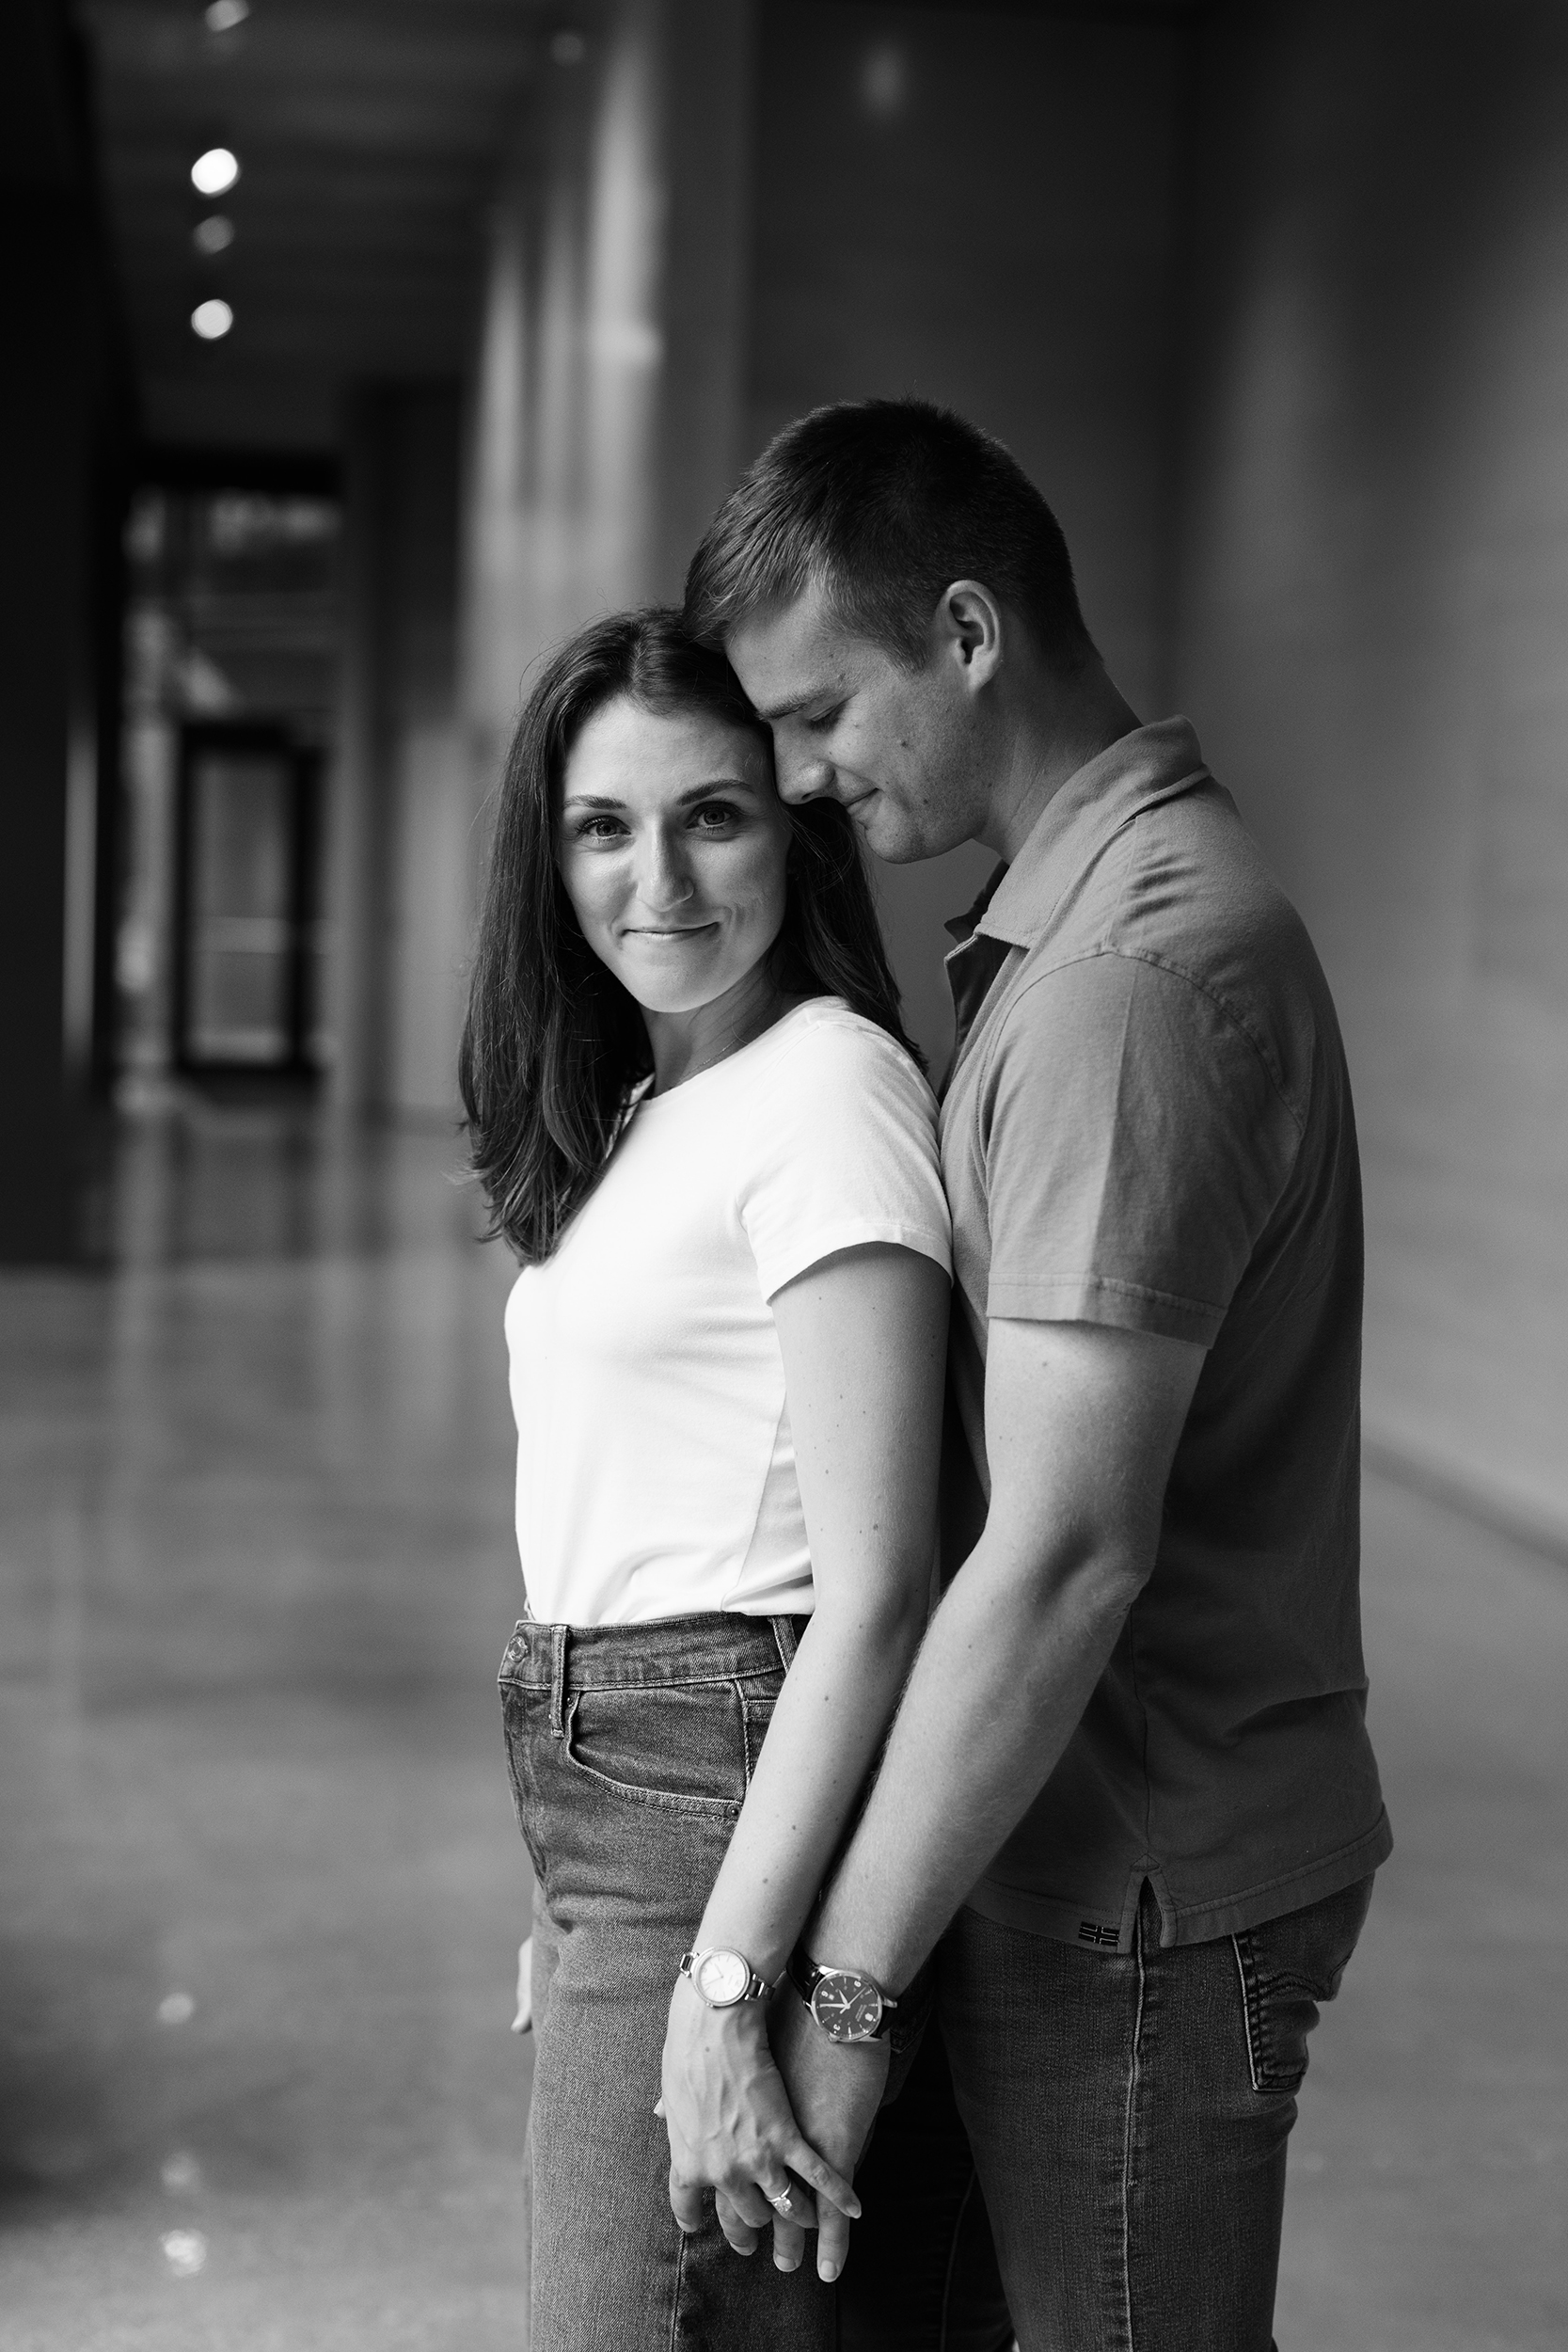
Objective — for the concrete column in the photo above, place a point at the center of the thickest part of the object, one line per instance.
(52, 434)
(607, 420)
(397, 888)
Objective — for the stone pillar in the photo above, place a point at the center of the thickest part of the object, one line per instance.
(53, 438)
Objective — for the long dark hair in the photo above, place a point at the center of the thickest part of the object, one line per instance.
(553, 1045)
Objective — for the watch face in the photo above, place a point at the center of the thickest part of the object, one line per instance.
(847, 2006)
(722, 1978)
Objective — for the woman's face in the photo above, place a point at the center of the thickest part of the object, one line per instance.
(672, 844)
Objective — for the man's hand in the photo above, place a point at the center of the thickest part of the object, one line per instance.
(835, 2089)
(732, 2129)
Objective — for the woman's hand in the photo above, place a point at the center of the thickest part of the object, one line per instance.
(732, 2129)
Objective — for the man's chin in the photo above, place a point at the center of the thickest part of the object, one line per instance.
(889, 837)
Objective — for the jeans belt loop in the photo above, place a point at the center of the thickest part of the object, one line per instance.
(558, 1680)
(783, 1633)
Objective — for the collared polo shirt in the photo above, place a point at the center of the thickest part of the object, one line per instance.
(1148, 1124)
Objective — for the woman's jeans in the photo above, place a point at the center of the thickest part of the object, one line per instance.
(1128, 2116)
(631, 1748)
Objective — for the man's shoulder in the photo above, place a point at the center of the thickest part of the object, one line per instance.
(1182, 890)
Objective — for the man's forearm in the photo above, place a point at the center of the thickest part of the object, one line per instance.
(1000, 1682)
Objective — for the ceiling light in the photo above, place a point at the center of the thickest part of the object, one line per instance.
(568, 49)
(223, 15)
(212, 173)
(214, 234)
(212, 320)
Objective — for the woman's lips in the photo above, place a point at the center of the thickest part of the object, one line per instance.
(679, 931)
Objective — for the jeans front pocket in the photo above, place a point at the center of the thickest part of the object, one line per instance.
(1289, 1967)
(684, 1746)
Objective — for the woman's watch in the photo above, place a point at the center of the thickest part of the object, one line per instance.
(723, 1978)
(848, 2005)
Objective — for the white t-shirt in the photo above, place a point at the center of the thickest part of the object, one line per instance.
(655, 1472)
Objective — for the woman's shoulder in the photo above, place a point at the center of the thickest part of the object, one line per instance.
(826, 1040)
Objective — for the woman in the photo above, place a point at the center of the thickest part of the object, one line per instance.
(706, 1135)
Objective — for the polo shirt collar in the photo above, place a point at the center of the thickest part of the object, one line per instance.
(1152, 764)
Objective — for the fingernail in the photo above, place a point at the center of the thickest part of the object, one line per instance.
(827, 2272)
(658, 2105)
(780, 2263)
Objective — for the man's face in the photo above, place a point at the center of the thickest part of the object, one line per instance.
(900, 749)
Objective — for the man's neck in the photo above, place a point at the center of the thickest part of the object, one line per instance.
(1060, 725)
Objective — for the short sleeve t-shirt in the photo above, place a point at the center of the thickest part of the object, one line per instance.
(655, 1471)
(1149, 1125)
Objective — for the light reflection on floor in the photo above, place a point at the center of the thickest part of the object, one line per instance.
(261, 1885)
(263, 1889)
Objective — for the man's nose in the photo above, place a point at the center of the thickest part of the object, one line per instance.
(806, 778)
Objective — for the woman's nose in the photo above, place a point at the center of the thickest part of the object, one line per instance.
(663, 878)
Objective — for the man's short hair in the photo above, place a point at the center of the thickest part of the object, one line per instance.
(883, 504)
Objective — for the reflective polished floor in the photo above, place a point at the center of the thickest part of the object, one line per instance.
(261, 1888)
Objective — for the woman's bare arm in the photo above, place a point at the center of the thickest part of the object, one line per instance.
(864, 1340)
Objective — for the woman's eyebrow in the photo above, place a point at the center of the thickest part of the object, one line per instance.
(685, 799)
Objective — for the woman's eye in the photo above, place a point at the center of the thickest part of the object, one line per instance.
(713, 815)
(599, 829)
(823, 719)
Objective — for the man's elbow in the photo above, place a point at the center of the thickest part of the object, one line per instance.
(1094, 1580)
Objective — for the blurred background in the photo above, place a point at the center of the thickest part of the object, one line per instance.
(357, 349)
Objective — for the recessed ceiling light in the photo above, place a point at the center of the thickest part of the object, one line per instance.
(212, 320)
(212, 173)
(568, 49)
(223, 15)
(214, 234)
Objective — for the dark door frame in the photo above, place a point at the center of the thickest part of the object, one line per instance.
(251, 734)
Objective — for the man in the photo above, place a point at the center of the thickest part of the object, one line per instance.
(1129, 1800)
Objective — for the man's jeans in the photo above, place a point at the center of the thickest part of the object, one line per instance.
(631, 1748)
(1128, 2116)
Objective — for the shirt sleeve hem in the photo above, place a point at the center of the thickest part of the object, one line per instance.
(854, 1233)
(1102, 1299)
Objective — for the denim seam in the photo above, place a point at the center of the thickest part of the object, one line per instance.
(952, 2258)
(582, 1684)
(746, 1762)
(558, 1686)
(1268, 2080)
(1129, 2133)
(675, 2298)
(1249, 2010)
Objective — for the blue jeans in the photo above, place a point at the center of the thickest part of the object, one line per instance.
(631, 1748)
(1128, 2116)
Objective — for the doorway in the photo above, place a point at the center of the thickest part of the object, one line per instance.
(246, 910)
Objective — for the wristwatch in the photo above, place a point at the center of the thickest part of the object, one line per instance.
(846, 2004)
(723, 1978)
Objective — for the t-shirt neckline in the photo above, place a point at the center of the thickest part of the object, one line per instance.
(647, 1100)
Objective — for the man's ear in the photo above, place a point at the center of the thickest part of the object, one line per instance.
(967, 627)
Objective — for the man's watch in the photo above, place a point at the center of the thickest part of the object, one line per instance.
(848, 2005)
(723, 1978)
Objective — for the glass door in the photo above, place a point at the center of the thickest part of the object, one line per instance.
(246, 900)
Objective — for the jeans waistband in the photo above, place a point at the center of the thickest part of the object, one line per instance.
(719, 1645)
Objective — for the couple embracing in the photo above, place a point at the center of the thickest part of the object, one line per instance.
(909, 1976)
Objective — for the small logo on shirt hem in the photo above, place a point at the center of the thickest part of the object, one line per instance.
(1090, 1931)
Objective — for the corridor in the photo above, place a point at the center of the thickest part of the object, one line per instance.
(262, 1885)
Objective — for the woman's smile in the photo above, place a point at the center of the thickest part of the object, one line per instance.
(672, 850)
